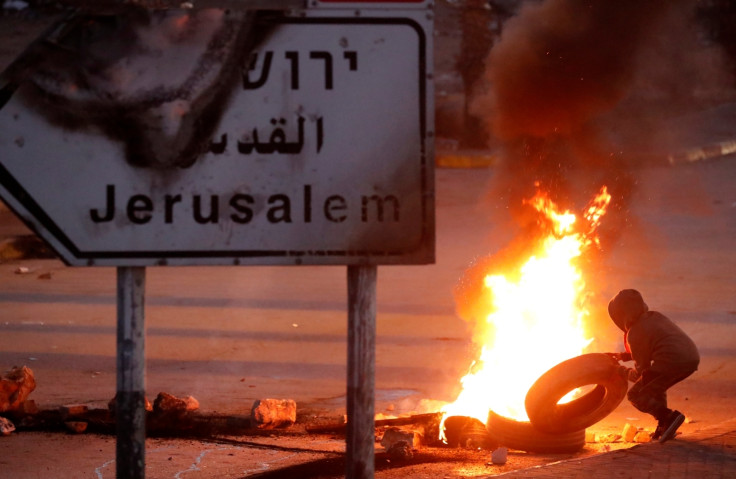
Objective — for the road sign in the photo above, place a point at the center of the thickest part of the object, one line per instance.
(322, 153)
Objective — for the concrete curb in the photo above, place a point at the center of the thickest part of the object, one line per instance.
(24, 247)
(466, 159)
(705, 453)
(716, 150)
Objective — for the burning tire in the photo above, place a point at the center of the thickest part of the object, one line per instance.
(522, 435)
(589, 369)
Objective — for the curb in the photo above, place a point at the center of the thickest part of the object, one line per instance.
(24, 247)
(698, 450)
(708, 152)
(466, 159)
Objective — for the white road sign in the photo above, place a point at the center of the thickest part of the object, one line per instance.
(321, 153)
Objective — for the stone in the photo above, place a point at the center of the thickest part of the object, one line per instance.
(643, 436)
(166, 403)
(609, 438)
(395, 435)
(400, 451)
(15, 387)
(273, 413)
(628, 433)
(75, 427)
(6, 427)
(500, 455)
(73, 410)
(590, 436)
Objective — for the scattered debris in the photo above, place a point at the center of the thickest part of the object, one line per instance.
(22, 270)
(75, 427)
(166, 403)
(642, 436)
(6, 427)
(46, 275)
(629, 432)
(428, 424)
(272, 413)
(590, 436)
(400, 451)
(15, 387)
(73, 411)
(24, 247)
(499, 455)
(608, 438)
(394, 435)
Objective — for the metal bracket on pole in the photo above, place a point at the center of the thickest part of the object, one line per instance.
(130, 412)
(361, 371)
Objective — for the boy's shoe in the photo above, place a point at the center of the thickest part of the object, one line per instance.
(670, 425)
(660, 429)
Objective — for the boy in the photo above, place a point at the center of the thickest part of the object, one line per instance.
(663, 356)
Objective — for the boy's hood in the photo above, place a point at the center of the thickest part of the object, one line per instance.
(626, 307)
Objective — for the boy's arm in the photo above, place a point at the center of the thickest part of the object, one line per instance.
(640, 351)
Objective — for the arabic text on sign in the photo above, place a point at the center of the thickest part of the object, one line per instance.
(276, 143)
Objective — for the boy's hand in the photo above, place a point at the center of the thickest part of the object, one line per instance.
(619, 356)
(614, 356)
(630, 374)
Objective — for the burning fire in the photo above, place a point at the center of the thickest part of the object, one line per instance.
(537, 318)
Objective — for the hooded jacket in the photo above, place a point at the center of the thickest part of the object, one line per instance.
(653, 340)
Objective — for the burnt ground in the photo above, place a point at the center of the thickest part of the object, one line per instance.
(680, 252)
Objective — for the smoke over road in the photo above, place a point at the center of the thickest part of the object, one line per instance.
(576, 93)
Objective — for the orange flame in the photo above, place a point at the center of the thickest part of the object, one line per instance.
(537, 317)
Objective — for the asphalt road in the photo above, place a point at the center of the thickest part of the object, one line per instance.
(230, 335)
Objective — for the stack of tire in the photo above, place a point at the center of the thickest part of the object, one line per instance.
(560, 428)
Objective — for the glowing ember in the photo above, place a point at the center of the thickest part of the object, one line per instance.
(537, 317)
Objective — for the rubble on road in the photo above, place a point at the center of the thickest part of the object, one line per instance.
(6, 427)
(607, 438)
(273, 413)
(75, 427)
(166, 403)
(394, 435)
(400, 451)
(15, 387)
(72, 410)
(500, 455)
(629, 432)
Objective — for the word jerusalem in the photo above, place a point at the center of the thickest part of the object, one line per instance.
(242, 208)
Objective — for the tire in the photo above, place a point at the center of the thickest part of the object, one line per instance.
(597, 368)
(523, 436)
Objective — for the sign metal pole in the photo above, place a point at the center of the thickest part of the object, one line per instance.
(130, 399)
(361, 371)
